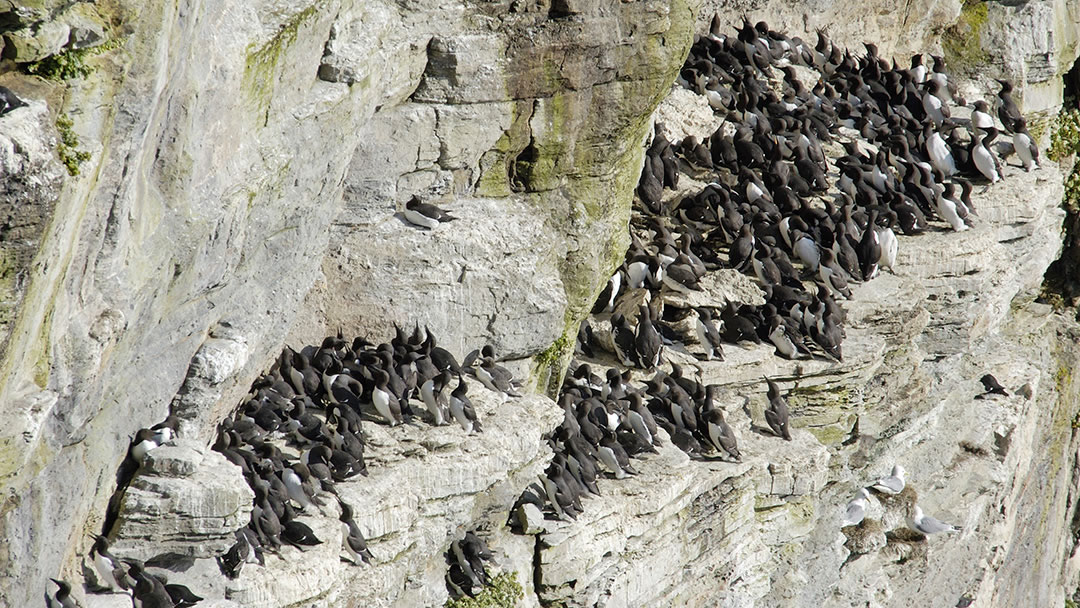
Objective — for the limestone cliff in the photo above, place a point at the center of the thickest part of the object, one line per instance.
(194, 184)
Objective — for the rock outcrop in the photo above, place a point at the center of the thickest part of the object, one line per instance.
(527, 126)
(184, 500)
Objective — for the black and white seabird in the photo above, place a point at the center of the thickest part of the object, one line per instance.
(614, 457)
(495, 377)
(352, 539)
(149, 591)
(777, 414)
(980, 116)
(708, 336)
(1026, 149)
(1008, 113)
(62, 598)
(462, 409)
(647, 341)
(983, 157)
(297, 533)
(720, 434)
(431, 392)
(385, 403)
(9, 100)
(181, 596)
(425, 215)
(110, 571)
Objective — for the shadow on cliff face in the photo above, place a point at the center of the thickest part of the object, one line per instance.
(1062, 279)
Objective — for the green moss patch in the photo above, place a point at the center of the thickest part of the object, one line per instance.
(549, 364)
(68, 150)
(962, 41)
(1061, 284)
(1064, 135)
(263, 63)
(69, 64)
(503, 592)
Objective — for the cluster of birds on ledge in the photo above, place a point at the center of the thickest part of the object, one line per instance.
(776, 207)
(607, 422)
(316, 401)
(300, 432)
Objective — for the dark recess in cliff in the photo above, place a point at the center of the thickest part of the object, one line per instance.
(1063, 276)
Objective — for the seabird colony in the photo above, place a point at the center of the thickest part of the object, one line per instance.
(300, 432)
(776, 207)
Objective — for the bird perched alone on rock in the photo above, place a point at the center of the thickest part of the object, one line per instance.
(777, 414)
(927, 525)
(891, 484)
(352, 539)
(856, 509)
(425, 215)
(992, 386)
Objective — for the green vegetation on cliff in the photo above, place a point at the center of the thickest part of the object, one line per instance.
(68, 149)
(962, 42)
(503, 592)
(71, 63)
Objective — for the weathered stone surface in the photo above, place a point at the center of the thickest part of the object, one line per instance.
(199, 402)
(683, 531)
(185, 499)
(173, 226)
(30, 180)
(232, 141)
(493, 272)
(86, 27)
(31, 44)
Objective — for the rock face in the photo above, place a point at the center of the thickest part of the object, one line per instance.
(426, 486)
(31, 183)
(185, 499)
(248, 162)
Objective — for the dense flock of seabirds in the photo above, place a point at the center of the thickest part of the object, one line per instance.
(769, 209)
